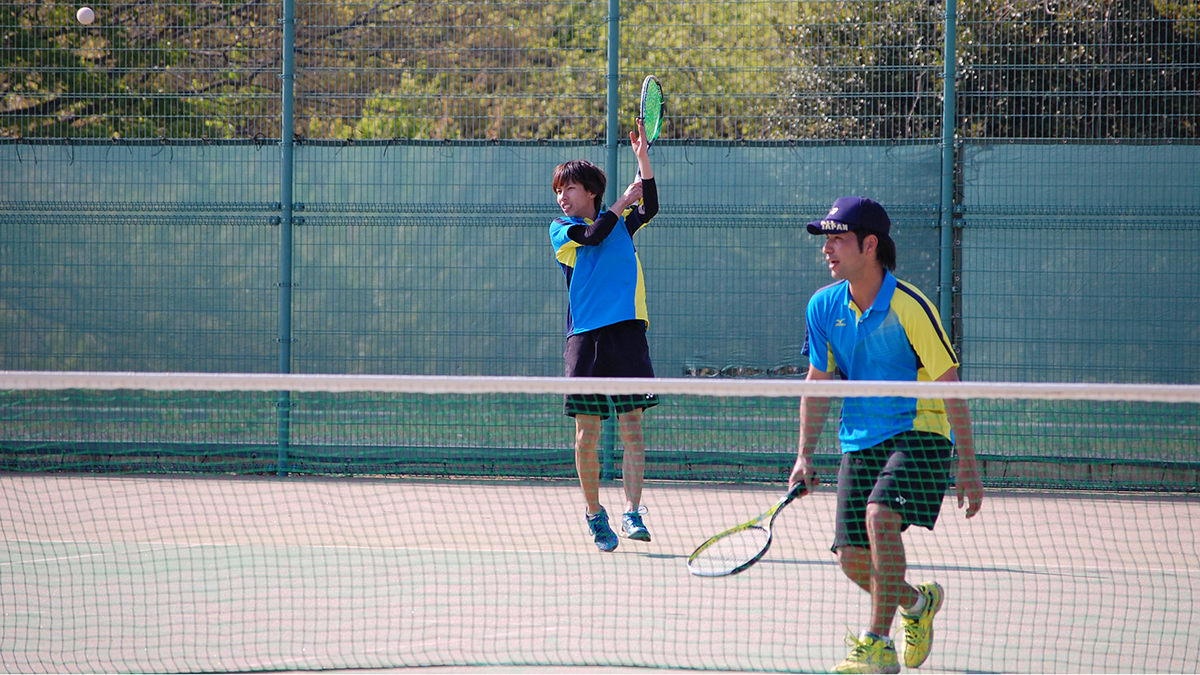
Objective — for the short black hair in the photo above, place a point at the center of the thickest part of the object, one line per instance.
(581, 171)
(885, 250)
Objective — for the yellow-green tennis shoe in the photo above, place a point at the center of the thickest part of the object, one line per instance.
(868, 654)
(918, 630)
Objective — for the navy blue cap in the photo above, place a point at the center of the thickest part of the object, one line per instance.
(853, 213)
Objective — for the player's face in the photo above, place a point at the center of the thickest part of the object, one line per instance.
(843, 256)
(576, 202)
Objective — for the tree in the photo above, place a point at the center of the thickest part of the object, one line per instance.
(143, 70)
(530, 69)
(1079, 69)
(862, 70)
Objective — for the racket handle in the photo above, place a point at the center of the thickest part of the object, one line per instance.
(798, 490)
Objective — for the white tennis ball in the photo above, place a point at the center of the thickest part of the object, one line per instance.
(85, 15)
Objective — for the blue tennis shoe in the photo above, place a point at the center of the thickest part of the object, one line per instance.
(606, 539)
(632, 526)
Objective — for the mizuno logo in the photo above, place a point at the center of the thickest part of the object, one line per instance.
(840, 322)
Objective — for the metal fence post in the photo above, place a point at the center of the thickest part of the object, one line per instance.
(285, 233)
(946, 286)
(612, 139)
(612, 135)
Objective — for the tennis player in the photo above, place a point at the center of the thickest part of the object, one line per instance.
(896, 452)
(606, 324)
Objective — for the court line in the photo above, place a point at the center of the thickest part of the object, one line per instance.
(1047, 570)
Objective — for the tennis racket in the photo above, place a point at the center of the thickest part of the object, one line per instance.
(653, 108)
(651, 114)
(736, 549)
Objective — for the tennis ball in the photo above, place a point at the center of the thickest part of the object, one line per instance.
(85, 15)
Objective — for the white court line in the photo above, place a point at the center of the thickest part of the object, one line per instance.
(81, 556)
(170, 546)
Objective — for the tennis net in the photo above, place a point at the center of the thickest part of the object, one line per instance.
(201, 522)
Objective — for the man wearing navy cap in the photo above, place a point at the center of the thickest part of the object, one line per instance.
(897, 453)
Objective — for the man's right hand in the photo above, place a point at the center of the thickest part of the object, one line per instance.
(804, 472)
(631, 196)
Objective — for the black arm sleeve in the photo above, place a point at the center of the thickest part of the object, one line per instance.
(594, 234)
(649, 208)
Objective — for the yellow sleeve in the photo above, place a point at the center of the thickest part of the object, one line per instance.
(925, 333)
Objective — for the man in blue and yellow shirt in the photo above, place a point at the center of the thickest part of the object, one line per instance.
(896, 452)
(606, 323)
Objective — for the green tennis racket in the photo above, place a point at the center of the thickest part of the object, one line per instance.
(652, 112)
(737, 548)
(653, 108)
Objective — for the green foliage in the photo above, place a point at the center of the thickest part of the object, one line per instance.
(522, 69)
(452, 70)
(1080, 69)
(719, 62)
(862, 70)
(167, 69)
(1185, 15)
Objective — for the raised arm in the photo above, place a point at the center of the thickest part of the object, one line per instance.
(594, 234)
(649, 206)
(643, 189)
(641, 150)
(647, 210)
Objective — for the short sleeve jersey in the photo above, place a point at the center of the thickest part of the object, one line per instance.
(604, 282)
(899, 337)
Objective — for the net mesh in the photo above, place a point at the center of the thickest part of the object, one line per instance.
(150, 222)
(438, 521)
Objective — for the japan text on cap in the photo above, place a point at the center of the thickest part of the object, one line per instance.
(853, 213)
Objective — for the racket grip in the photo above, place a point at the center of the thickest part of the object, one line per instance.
(798, 490)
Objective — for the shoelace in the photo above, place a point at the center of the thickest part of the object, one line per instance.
(635, 517)
(858, 647)
(910, 638)
(594, 522)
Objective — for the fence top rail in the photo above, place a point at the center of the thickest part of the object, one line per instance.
(723, 387)
(262, 141)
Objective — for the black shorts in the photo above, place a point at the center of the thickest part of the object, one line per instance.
(618, 350)
(909, 473)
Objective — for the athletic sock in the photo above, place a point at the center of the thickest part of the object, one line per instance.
(917, 607)
(878, 638)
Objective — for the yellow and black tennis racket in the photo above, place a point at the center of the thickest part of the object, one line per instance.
(737, 548)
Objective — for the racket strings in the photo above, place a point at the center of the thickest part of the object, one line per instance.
(730, 552)
(652, 109)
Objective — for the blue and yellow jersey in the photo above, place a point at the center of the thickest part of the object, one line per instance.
(899, 337)
(604, 277)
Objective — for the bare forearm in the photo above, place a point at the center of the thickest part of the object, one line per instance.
(959, 416)
(813, 413)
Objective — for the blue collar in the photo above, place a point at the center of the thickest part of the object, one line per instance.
(883, 299)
